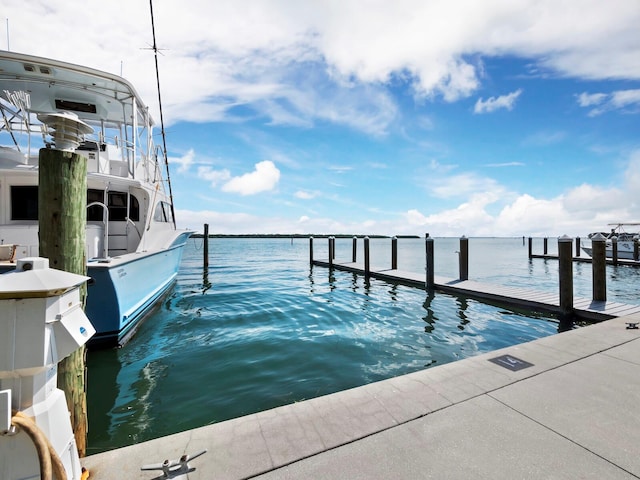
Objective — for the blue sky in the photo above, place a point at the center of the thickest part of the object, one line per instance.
(472, 118)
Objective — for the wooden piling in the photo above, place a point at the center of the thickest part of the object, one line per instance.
(331, 255)
(367, 265)
(635, 249)
(598, 266)
(394, 253)
(565, 266)
(545, 246)
(206, 246)
(463, 258)
(333, 248)
(430, 283)
(578, 246)
(354, 249)
(614, 248)
(530, 247)
(62, 214)
(311, 251)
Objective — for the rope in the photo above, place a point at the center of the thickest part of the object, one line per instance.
(50, 464)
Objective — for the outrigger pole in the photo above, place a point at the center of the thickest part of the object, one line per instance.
(164, 140)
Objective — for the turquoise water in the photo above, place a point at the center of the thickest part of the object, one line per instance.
(263, 329)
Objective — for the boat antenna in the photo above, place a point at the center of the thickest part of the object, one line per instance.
(164, 139)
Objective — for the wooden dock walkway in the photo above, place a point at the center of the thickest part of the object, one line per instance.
(584, 308)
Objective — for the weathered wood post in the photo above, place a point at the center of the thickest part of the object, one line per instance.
(354, 249)
(429, 252)
(463, 258)
(545, 245)
(635, 249)
(530, 247)
(614, 250)
(367, 265)
(62, 214)
(333, 248)
(394, 253)
(578, 246)
(598, 266)
(565, 274)
(206, 245)
(311, 251)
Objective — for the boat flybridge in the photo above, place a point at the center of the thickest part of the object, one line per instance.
(132, 245)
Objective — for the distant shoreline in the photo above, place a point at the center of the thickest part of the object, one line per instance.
(293, 235)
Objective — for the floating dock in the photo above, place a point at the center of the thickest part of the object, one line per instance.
(584, 308)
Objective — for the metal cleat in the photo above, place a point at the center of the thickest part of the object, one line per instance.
(632, 325)
(174, 468)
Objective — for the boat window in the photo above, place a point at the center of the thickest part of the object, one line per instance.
(24, 202)
(94, 214)
(162, 212)
(117, 205)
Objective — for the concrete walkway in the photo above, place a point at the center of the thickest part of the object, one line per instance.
(565, 406)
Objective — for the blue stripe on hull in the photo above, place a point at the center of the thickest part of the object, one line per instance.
(123, 294)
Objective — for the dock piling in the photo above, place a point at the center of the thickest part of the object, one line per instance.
(545, 246)
(62, 213)
(206, 246)
(530, 247)
(565, 262)
(311, 251)
(394, 253)
(635, 249)
(578, 246)
(331, 254)
(598, 267)
(367, 265)
(430, 283)
(463, 258)
(614, 248)
(354, 249)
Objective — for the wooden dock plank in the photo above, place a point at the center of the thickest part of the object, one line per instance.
(509, 295)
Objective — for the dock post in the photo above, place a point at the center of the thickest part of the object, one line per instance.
(614, 248)
(530, 247)
(578, 246)
(333, 248)
(311, 251)
(598, 266)
(62, 214)
(635, 249)
(206, 246)
(565, 274)
(463, 258)
(354, 249)
(429, 251)
(545, 245)
(331, 254)
(367, 265)
(394, 253)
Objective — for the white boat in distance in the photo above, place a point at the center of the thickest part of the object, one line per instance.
(625, 241)
(132, 244)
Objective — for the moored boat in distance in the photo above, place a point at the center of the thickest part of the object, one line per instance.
(132, 244)
(625, 241)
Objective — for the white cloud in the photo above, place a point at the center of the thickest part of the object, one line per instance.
(264, 178)
(305, 195)
(232, 60)
(494, 103)
(214, 176)
(625, 100)
(185, 162)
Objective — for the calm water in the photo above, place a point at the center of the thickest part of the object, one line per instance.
(262, 329)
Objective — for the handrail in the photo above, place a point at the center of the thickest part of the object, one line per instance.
(105, 221)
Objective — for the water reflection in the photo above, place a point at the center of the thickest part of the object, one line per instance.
(462, 304)
(430, 317)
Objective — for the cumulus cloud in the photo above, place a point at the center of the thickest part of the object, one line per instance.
(626, 100)
(185, 162)
(495, 103)
(227, 60)
(264, 178)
